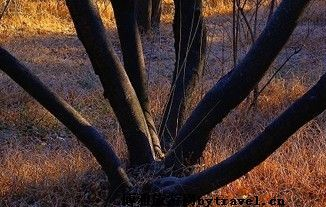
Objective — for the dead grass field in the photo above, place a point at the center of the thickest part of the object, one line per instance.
(42, 164)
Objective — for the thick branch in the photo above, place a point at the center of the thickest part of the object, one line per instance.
(190, 47)
(148, 13)
(116, 84)
(134, 60)
(144, 14)
(302, 111)
(235, 86)
(87, 134)
(156, 12)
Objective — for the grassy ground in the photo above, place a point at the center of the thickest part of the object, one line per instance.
(42, 164)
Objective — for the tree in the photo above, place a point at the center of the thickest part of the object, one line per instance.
(124, 87)
(190, 51)
(148, 13)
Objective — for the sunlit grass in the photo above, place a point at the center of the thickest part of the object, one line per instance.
(42, 164)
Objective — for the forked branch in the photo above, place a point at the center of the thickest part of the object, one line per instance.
(115, 81)
(234, 87)
(298, 114)
(134, 63)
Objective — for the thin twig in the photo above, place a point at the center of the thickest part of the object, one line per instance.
(248, 25)
(5, 9)
(275, 73)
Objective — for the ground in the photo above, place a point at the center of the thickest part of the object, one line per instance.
(42, 164)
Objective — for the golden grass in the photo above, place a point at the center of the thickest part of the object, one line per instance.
(35, 17)
(48, 173)
(43, 17)
(31, 178)
(295, 173)
(41, 163)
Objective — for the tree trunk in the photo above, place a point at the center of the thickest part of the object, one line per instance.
(148, 14)
(126, 90)
(115, 81)
(156, 13)
(234, 87)
(134, 61)
(144, 15)
(190, 50)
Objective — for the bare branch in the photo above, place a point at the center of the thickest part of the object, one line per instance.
(274, 74)
(190, 50)
(5, 9)
(134, 60)
(156, 12)
(144, 14)
(148, 13)
(116, 84)
(234, 87)
(88, 135)
(298, 114)
(252, 36)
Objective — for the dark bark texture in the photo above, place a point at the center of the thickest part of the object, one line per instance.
(190, 48)
(134, 61)
(117, 86)
(302, 111)
(144, 14)
(125, 86)
(234, 87)
(88, 135)
(156, 13)
(148, 14)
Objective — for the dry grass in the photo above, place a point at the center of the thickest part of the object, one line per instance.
(42, 164)
(36, 17)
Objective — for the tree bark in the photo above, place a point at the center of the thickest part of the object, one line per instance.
(148, 14)
(66, 114)
(117, 87)
(271, 10)
(134, 61)
(144, 15)
(190, 49)
(156, 13)
(298, 114)
(234, 87)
